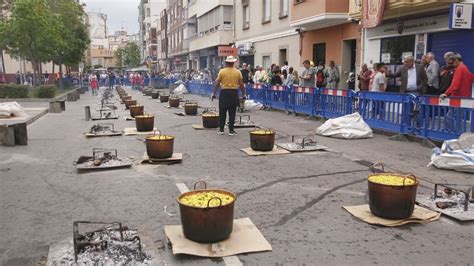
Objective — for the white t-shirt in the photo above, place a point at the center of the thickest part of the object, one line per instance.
(411, 83)
(379, 79)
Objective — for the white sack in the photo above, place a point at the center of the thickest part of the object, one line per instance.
(11, 109)
(180, 90)
(252, 105)
(455, 154)
(346, 127)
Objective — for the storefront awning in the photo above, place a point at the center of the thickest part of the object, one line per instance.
(321, 21)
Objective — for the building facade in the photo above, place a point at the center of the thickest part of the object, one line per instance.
(413, 28)
(176, 25)
(327, 34)
(210, 26)
(263, 34)
(148, 13)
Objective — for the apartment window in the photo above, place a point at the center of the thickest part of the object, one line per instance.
(284, 4)
(266, 62)
(148, 12)
(246, 16)
(267, 11)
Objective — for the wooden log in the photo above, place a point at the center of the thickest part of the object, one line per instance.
(21, 133)
(7, 135)
(55, 107)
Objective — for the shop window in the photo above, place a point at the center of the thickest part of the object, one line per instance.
(393, 49)
(267, 11)
(319, 53)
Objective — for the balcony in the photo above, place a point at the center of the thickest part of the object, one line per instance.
(397, 8)
(316, 14)
(215, 38)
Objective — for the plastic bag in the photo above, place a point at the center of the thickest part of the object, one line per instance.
(350, 126)
(455, 154)
(252, 105)
(180, 90)
(11, 109)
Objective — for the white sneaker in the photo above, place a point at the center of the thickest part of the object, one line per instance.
(232, 133)
(220, 132)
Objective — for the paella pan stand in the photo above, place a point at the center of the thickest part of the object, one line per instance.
(108, 160)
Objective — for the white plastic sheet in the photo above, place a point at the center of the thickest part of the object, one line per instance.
(11, 109)
(455, 154)
(252, 105)
(350, 126)
(180, 90)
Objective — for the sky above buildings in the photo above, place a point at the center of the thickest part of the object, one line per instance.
(120, 13)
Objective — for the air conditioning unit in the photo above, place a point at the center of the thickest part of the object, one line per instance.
(247, 46)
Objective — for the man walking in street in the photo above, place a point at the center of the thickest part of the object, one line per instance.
(432, 73)
(412, 77)
(230, 79)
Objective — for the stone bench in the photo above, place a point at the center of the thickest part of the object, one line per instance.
(15, 134)
(57, 106)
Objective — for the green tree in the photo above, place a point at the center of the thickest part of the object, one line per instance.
(73, 40)
(128, 56)
(29, 32)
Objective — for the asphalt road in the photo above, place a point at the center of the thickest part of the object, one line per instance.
(295, 200)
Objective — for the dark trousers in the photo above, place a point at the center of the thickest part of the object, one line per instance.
(223, 115)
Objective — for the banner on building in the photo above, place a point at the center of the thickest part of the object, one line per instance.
(372, 13)
(226, 51)
(461, 16)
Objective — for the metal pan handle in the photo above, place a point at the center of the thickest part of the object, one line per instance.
(375, 165)
(200, 182)
(209, 202)
(409, 176)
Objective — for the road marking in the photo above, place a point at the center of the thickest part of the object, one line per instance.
(230, 260)
(182, 187)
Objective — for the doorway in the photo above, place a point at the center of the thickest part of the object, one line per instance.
(349, 54)
(282, 58)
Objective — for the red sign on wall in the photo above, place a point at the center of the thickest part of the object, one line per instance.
(226, 51)
(372, 13)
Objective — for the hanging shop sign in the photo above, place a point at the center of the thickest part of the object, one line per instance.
(372, 13)
(226, 51)
(460, 16)
(410, 27)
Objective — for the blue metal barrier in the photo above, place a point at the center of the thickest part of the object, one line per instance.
(278, 97)
(303, 100)
(335, 103)
(444, 119)
(386, 111)
(257, 92)
(424, 116)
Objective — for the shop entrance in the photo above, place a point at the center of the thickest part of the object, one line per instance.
(348, 64)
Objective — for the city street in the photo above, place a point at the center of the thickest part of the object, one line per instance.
(295, 200)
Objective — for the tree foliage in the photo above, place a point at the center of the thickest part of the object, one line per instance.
(129, 56)
(44, 30)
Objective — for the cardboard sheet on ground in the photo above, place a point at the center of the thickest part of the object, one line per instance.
(130, 131)
(420, 215)
(276, 151)
(200, 127)
(245, 238)
(175, 158)
(293, 147)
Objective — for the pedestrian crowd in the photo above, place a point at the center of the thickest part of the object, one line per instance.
(422, 77)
